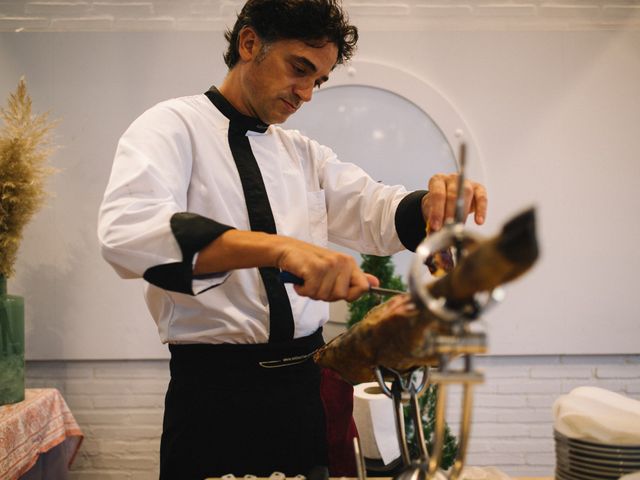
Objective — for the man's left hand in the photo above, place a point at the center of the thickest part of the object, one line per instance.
(439, 205)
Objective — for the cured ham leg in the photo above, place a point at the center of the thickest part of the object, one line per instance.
(398, 334)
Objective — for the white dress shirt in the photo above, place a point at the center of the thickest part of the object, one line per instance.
(176, 158)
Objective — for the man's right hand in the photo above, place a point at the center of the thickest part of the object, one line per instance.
(327, 275)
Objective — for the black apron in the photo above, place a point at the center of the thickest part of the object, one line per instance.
(226, 413)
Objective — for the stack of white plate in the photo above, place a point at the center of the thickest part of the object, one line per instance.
(586, 460)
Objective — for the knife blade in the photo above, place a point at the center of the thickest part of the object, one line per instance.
(288, 277)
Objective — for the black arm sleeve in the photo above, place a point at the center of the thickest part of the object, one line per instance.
(410, 223)
(193, 232)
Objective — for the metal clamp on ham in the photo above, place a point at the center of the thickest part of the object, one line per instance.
(424, 330)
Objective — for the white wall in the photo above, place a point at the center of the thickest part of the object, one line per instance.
(395, 15)
(119, 403)
(551, 116)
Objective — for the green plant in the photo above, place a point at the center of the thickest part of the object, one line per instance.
(381, 267)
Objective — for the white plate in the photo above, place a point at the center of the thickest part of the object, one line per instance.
(579, 474)
(623, 452)
(592, 469)
(603, 459)
(633, 449)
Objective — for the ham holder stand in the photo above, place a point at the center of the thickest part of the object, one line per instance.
(452, 338)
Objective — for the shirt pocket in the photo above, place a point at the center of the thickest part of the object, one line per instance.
(317, 211)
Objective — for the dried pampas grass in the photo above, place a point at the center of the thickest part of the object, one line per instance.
(25, 146)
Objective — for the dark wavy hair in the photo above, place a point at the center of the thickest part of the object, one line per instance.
(310, 21)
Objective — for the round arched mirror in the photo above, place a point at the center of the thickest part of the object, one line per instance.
(392, 139)
(376, 117)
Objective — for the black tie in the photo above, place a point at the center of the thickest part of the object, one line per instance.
(281, 324)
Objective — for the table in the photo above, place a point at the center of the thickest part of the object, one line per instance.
(377, 478)
(40, 431)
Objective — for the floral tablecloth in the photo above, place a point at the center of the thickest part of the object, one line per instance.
(32, 427)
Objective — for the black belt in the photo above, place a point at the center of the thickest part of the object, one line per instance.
(235, 362)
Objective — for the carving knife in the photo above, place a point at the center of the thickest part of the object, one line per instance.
(288, 277)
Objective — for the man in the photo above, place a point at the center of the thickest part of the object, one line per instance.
(208, 201)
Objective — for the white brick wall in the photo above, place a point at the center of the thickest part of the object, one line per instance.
(162, 15)
(119, 405)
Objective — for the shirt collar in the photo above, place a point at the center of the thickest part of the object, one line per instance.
(237, 119)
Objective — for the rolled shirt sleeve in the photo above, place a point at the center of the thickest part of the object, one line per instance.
(409, 220)
(143, 227)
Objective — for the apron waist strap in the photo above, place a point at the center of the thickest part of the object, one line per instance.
(253, 362)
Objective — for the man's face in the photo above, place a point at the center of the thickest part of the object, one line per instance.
(282, 76)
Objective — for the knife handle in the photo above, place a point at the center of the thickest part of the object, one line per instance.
(288, 277)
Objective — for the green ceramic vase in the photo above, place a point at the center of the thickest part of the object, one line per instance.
(11, 346)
